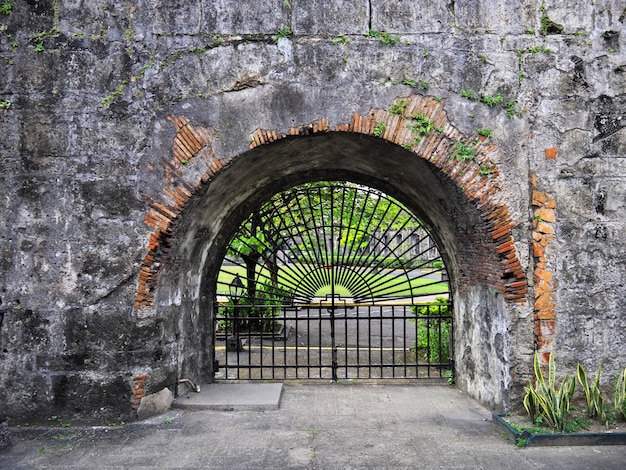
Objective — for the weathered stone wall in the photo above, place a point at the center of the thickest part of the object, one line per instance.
(87, 150)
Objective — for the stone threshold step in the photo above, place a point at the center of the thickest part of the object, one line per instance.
(232, 397)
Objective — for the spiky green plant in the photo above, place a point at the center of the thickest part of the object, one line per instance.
(619, 397)
(595, 400)
(547, 400)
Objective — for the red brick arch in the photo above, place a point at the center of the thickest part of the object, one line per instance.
(193, 163)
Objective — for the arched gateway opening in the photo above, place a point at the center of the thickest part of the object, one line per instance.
(448, 181)
(333, 280)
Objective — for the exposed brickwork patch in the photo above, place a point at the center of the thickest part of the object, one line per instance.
(139, 390)
(543, 235)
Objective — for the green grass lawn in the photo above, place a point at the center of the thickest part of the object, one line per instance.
(386, 284)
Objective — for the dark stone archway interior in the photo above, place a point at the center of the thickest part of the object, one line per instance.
(211, 219)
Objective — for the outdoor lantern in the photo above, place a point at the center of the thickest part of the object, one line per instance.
(235, 289)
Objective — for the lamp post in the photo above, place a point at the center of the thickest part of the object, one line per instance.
(235, 291)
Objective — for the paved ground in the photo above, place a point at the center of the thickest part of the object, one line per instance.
(328, 426)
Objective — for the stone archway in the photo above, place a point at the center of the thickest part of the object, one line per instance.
(411, 152)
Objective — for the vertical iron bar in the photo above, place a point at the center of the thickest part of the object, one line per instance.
(451, 343)
(296, 343)
(247, 351)
(404, 338)
(319, 341)
(369, 341)
(332, 288)
(307, 342)
(393, 341)
(236, 326)
(333, 344)
(382, 360)
(262, 373)
(357, 319)
(345, 340)
(426, 325)
(273, 344)
(226, 363)
(439, 337)
(416, 328)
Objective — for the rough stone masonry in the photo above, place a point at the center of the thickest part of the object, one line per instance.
(137, 134)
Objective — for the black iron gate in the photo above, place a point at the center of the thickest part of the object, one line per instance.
(333, 281)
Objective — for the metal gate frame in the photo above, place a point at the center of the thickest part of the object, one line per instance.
(334, 342)
(337, 284)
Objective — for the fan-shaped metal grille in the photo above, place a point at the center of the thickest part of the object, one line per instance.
(333, 240)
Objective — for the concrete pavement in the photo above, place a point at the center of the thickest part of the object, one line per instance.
(317, 426)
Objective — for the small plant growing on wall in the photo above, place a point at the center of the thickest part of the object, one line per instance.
(421, 124)
(383, 37)
(469, 94)
(486, 169)
(380, 128)
(283, 33)
(398, 107)
(340, 40)
(6, 8)
(484, 132)
(491, 100)
(509, 108)
(464, 152)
